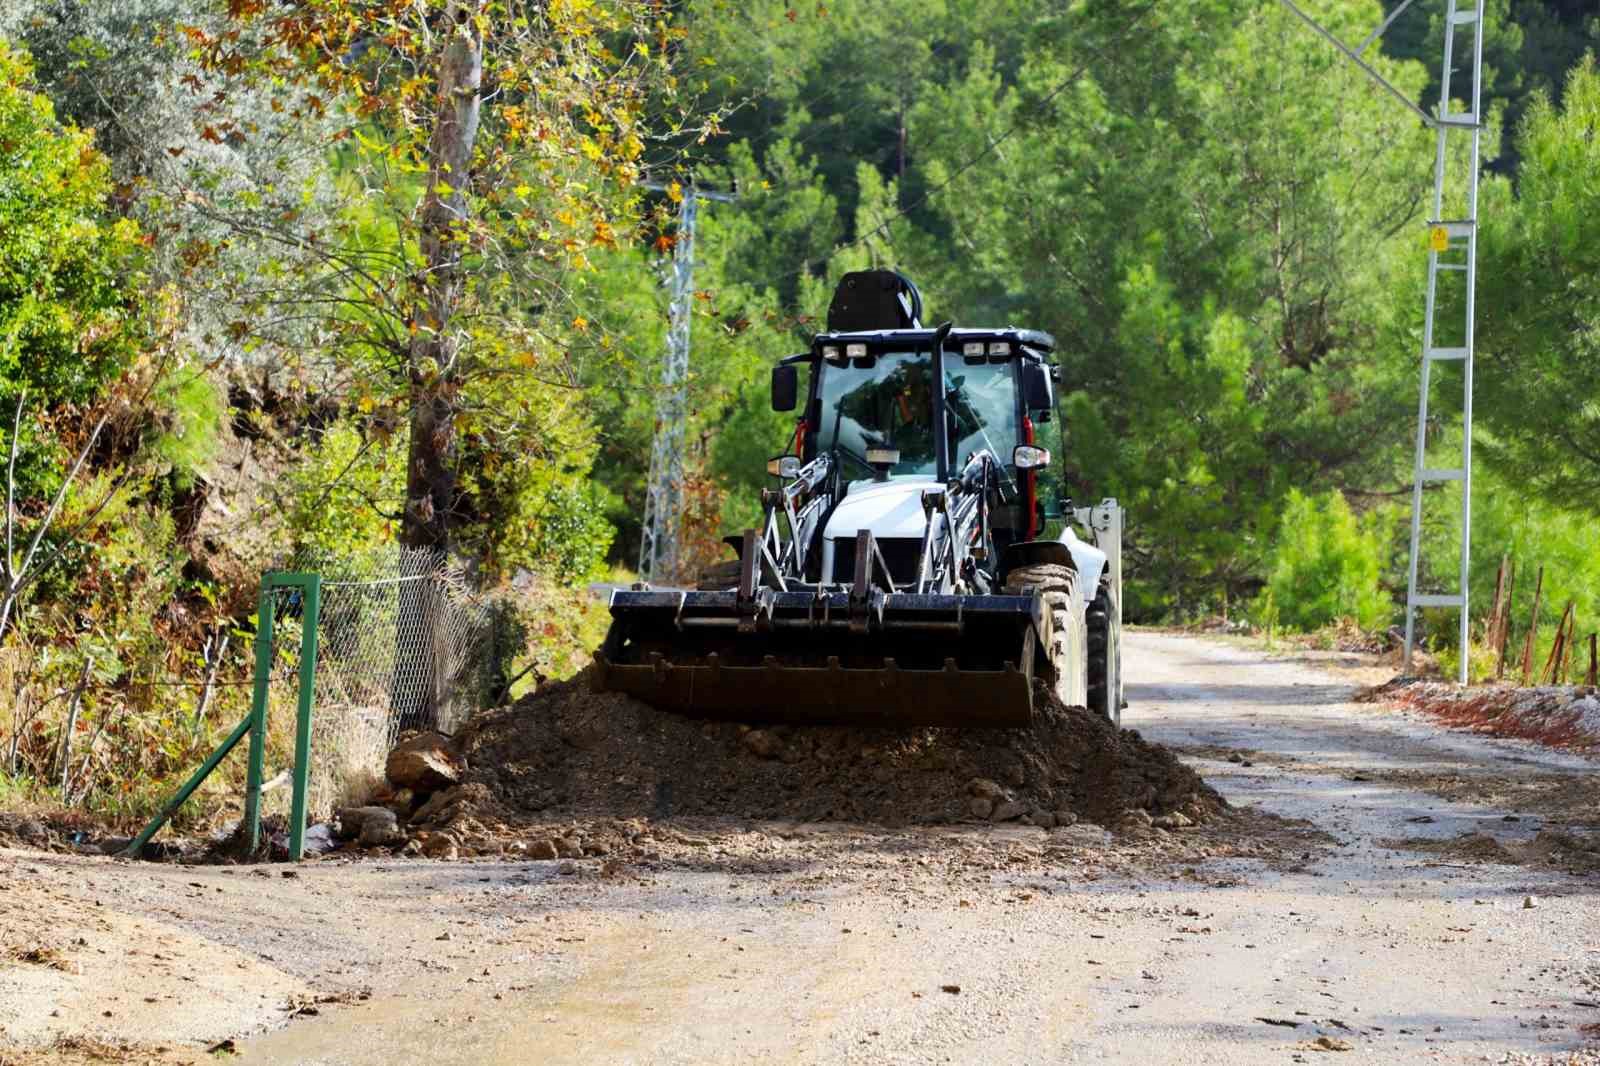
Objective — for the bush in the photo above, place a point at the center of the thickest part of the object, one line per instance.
(1326, 566)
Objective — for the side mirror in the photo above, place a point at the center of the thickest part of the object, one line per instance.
(785, 387)
(1029, 457)
(784, 466)
(1036, 393)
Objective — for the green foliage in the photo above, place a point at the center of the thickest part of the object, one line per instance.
(338, 492)
(566, 534)
(1326, 566)
(1509, 522)
(1539, 333)
(69, 310)
(187, 434)
(553, 628)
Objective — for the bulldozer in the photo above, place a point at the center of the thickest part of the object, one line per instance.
(902, 575)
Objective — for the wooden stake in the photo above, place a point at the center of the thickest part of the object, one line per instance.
(1552, 663)
(1567, 647)
(1505, 629)
(1533, 628)
(1491, 629)
(1594, 662)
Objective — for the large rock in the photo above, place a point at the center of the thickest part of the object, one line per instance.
(425, 764)
(763, 744)
(983, 788)
(372, 826)
(382, 830)
(1008, 810)
(352, 820)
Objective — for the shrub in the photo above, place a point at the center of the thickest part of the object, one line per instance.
(1326, 565)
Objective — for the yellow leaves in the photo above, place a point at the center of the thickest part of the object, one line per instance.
(591, 150)
(580, 324)
(675, 193)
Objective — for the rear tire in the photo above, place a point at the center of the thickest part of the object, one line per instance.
(1064, 643)
(1105, 655)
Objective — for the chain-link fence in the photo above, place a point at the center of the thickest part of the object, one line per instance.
(402, 643)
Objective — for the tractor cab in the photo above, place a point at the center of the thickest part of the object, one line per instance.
(871, 403)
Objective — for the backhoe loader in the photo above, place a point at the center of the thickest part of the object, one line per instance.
(901, 574)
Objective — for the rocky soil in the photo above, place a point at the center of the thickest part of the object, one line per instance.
(611, 765)
(1432, 914)
(1561, 716)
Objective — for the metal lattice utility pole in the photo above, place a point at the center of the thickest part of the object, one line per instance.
(1452, 249)
(663, 506)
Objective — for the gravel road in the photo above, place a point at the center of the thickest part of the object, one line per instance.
(1390, 939)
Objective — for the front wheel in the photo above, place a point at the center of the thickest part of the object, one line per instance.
(1064, 643)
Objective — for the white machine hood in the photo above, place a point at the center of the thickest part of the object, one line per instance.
(890, 508)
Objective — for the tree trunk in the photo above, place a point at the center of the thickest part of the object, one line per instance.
(434, 370)
(434, 357)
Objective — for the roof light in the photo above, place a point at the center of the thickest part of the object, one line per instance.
(972, 349)
(882, 456)
(856, 351)
(999, 347)
(830, 352)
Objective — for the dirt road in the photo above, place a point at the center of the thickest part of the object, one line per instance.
(1403, 935)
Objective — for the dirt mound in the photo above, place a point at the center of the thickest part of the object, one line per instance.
(568, 751)
(1575, 852)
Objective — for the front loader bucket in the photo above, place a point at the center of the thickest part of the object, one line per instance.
(819, 658)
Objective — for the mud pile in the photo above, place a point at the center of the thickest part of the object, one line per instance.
(569, 752)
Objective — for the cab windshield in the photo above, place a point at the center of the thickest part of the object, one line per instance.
(886, 402)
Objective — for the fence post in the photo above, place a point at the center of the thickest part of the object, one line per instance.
(312, 598)
(258, 717)
(1505, 625)
(1533, 628)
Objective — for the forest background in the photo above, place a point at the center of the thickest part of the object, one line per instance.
(254, 254)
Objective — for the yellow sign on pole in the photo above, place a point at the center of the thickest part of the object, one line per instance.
(1439, 238)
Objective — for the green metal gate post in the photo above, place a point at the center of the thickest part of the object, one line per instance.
(255, 723)
(258, 716)
(311, 590)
